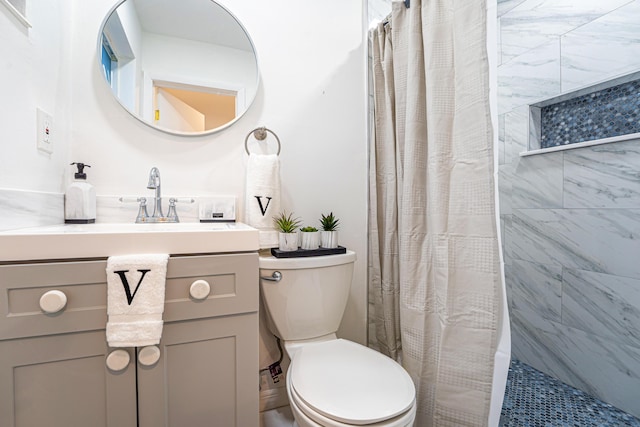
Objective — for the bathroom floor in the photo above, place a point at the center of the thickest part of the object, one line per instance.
(535, 399)
(532, 399)
(279, 417)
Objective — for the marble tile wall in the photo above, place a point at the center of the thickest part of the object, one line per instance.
(587, 53)
(520, 25)
(570, 220)
(604, 176)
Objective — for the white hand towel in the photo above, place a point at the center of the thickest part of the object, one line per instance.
(263, 196)
(135, 299)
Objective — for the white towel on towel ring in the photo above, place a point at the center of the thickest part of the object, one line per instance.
(262, 201)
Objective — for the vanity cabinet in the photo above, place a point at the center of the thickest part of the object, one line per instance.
(53, 368)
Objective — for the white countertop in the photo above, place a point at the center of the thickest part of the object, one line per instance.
(106, 239)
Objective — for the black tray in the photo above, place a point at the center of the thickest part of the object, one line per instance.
(308, 252)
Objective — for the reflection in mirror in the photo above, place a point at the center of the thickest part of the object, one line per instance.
(186, 67)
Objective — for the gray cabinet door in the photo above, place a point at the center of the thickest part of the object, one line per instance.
(62, 381)
(206, 375)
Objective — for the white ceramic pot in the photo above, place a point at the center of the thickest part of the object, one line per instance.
(328, 239)
(310, 239)
(288, 242)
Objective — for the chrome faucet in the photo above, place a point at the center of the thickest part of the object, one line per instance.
(154, 184)
(157, 215)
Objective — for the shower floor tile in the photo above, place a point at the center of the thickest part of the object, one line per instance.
(534, 399)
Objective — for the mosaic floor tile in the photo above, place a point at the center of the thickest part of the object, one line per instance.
(534, 399)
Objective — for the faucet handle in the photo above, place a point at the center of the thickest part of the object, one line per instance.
(182, 200)
(172, 215)
(131, 199)
(142, 210)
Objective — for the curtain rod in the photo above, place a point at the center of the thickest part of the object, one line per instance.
(407, 3)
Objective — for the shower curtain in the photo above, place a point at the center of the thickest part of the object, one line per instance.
(434, 262)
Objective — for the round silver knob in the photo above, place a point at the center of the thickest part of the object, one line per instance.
(200, 289)
(149, 355)
(53, 301)
(118, 360)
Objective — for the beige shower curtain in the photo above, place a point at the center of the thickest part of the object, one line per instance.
(434, 263)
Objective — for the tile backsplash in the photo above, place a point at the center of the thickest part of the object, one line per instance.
(22, 209)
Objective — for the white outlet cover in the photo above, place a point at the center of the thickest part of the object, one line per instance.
(44, 131)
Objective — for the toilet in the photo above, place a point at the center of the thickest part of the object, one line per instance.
(331, 382)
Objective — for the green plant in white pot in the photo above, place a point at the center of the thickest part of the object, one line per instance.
(287, 227)
(310, 238)
(329, 233)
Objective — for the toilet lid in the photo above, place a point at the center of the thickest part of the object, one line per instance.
(351, 383)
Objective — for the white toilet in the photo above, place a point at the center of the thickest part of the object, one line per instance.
(331, 382)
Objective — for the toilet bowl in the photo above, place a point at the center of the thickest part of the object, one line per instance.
(331, 382)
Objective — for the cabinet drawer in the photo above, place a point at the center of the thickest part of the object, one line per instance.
(22, 285)
(233, 280)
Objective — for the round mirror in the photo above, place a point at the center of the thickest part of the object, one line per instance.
(185, 67)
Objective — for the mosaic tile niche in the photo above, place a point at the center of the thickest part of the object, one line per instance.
(604, 113)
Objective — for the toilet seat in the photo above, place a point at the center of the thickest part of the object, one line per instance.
(339, 382)
(306, 417)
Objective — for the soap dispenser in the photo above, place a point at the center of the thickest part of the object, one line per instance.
(80, 199)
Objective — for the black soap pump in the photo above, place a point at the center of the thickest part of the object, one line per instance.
(80, 199)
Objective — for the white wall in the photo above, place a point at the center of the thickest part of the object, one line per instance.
(35, 66)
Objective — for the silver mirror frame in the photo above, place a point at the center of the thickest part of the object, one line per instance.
(165, 130)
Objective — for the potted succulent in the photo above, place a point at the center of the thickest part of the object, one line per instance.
(310, 238)
(287, 227)
(329, 233)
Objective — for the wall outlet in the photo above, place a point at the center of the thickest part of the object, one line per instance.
(44, 131)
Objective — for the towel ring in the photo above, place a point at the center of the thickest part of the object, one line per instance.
(261, 134)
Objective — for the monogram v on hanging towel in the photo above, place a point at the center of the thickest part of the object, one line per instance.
(262, 201)
(135, 299)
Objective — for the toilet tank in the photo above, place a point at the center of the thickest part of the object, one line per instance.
(310, 298)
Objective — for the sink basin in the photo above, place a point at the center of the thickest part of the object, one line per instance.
(106, 239)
